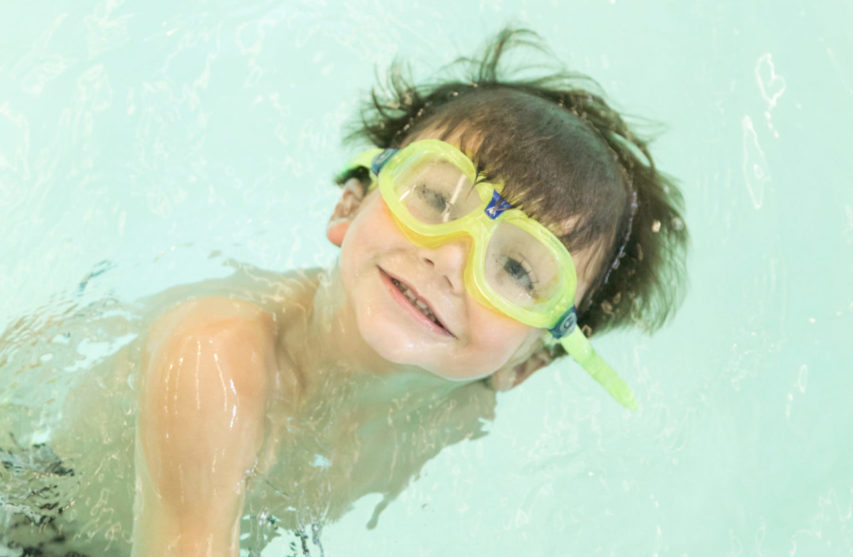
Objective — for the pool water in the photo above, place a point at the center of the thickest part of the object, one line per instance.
(145, 147)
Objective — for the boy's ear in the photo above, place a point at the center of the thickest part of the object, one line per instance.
(509, 377)
(352, 194)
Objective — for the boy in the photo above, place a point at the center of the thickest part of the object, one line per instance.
(497, 225)
(453, 269)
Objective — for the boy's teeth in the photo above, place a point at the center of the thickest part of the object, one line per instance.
(418, 303)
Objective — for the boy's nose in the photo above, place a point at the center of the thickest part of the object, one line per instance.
(449, 260)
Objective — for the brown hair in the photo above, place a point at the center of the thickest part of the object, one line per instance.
(564, 155)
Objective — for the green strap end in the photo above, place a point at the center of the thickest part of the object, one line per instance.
(579, 348)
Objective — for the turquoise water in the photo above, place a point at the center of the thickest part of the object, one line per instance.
(146, 146)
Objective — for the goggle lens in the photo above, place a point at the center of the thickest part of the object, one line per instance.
(435, 191)
(520, 268)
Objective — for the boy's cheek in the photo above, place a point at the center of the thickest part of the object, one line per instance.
(373, 230)
(499, 336)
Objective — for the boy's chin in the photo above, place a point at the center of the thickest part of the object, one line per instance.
(404, 354)
(407, 355)
(401, 346)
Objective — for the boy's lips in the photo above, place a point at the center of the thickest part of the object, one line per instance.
(421, 309)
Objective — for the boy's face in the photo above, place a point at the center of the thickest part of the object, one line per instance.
(389, 281)
(383, 271)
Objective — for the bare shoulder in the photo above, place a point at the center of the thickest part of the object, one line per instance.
(213, 316)
(210, 313)
(236, 336)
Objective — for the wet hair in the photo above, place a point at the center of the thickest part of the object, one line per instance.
(564, 156)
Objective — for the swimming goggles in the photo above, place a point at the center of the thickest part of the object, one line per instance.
(516, 266)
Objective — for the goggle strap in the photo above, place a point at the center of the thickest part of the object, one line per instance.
(566, 324)
(363, 160)
(579, 348)
(380, 159)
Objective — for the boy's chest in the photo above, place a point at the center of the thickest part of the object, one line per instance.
(342, 447)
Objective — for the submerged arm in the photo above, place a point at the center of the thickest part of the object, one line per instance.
(202, 402)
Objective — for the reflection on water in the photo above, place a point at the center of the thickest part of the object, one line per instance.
(67, 424)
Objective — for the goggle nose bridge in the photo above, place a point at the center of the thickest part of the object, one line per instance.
(439, 239)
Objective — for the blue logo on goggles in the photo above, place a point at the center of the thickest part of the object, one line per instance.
(497, 205)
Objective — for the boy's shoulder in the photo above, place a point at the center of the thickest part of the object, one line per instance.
(248, 297)
(240, 318)
(208, 316)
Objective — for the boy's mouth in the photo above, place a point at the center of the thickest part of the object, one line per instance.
(418, 303)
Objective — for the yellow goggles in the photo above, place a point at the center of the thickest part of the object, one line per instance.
(516, 266)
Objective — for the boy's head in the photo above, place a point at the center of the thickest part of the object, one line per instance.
(567, 160)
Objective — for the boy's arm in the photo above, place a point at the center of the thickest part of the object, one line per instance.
(203, 390)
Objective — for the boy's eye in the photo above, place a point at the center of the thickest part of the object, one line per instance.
(435, 199)
(520, 272)
(430, 204)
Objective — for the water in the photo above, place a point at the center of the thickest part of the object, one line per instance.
(143, 148)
